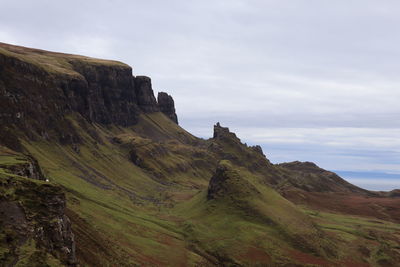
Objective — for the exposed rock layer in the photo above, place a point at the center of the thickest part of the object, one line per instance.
(39, 89)
(28, 167)
(33, 224)
(167, 106)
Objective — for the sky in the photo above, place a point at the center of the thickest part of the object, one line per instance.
(309, 80)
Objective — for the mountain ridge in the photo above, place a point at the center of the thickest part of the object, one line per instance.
(140, 190)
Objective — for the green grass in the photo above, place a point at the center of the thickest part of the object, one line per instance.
(265, 220)
(134, 223)
(356, 231)
(160, 214)
(9, 158)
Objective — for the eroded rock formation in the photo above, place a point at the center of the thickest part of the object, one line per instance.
(167, 106)
(145, 95)
(33, 224)
(37, 96)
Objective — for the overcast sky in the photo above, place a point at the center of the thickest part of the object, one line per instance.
(314, 80)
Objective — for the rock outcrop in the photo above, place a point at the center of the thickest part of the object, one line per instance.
(26, 167)
(167, 106)
(228, 183)
(222, 132)
(33, 224)
(145, 95)
(258, 149)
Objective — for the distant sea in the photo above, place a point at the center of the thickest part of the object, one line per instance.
(377, 181)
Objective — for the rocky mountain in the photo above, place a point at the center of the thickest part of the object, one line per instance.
(95, 171)
(55, 85)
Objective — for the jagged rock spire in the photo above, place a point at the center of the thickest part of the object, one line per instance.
(167, 106)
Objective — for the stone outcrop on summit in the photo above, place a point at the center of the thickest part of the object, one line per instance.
(167, 106)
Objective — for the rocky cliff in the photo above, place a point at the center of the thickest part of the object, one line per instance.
(34, 230)
(167, 106)
(40, 89)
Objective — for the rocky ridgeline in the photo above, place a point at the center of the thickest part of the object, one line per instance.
(223, 133)
(37, 94)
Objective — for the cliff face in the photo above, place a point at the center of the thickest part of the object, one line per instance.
(25, 167)
(102, 94)
(39, 89)
(34, 229)
(145, 95)
(167, 106)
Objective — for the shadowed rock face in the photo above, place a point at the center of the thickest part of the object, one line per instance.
(102, 94)
(39, 89)
(32, 213)
(29, 168)
(37, 102)
(223, 132)
(36, 213)
(167, 106)
(145, 95)
(106, 94)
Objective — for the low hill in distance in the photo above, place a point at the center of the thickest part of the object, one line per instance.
(96, 171)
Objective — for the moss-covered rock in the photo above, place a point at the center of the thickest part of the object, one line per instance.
(34, 230)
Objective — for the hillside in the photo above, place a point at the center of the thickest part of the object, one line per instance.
(95, 171)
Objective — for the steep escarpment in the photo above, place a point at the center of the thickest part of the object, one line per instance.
(167, 106)
(25, 166)
(54, 85)
(145, 95)
(139, 190)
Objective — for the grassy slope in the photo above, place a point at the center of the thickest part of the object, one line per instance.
(253, 221)
(116, 200)
(159, 214)
(52, 62)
